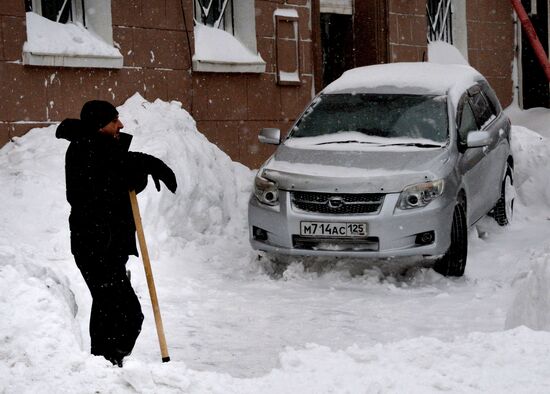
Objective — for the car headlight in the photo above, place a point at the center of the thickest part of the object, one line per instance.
(420, 195)
(266, 191)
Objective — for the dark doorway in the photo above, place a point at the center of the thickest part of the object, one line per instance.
(534, 83)
(337, 45)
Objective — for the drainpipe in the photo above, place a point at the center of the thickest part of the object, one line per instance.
(532, 36)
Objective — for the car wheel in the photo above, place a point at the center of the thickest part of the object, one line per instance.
(453, 262)
(504, 208)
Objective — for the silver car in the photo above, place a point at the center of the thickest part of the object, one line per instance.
(387, 161)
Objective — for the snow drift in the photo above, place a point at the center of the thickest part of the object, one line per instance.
(44, 302)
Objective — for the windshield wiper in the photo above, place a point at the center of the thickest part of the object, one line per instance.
(347, 142)
(418, 144)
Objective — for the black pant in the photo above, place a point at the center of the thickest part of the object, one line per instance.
(116, 317)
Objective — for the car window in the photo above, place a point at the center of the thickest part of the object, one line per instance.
(491, 97)
(467, 123)
(380, 115)
(481, 108)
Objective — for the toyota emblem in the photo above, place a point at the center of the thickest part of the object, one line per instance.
(335, 202)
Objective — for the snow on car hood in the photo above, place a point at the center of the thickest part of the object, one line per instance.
(371, 170)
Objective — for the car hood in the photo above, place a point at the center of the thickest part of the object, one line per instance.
(386, 170)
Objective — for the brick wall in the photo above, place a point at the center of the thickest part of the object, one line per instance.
(229, 108)
(491, 43)
(407, 30)
(490, 38)
(17, 87)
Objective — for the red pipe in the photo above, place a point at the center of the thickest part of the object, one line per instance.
(532, 35)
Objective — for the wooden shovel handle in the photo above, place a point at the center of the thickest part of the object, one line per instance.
(149, 276)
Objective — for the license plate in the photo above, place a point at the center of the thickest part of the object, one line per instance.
(326, 229)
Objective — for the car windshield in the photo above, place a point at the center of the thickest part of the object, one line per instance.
(393, 116)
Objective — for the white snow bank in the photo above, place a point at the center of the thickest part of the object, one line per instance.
(532, 301)
(536, 119)
(43, 348)
(40, 284)
(532, 165)
(210, 185)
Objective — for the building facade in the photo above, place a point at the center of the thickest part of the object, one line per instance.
(235, 65)
(384, 31)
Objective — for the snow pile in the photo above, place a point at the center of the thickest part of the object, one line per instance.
(198, 241)
(41, 286)
(532, 302)
(532, 164)
(536, 119)
(210, 191)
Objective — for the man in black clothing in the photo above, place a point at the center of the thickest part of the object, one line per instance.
(99, 171)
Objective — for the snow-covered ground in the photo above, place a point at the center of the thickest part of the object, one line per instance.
(231, 327)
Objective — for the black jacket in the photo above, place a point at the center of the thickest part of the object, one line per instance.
(99, 172)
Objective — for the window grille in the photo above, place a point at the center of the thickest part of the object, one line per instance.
(215, 13)
(439, 14)
(61, 11)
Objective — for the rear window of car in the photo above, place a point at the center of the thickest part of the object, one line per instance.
(379, 115)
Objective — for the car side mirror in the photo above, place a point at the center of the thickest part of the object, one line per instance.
(270, 135)
(477, 139)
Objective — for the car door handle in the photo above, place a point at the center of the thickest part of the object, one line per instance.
(485, 150)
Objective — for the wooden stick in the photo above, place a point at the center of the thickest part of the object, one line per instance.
(149, 276)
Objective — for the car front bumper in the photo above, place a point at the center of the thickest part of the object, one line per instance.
(391, 232)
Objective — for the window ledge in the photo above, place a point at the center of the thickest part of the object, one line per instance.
(66, 45)
(60, 60)
(218, 51)
(228, 67)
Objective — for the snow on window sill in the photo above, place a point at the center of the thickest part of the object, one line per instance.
(66, 45)
(218, 51)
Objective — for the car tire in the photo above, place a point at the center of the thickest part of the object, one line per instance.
(504, 208)
(453, 262)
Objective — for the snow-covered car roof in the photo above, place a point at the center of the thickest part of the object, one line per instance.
(407, 78)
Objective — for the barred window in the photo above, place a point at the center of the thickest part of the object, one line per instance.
(88, 19)
(225, 36)
(439, 16)
(215, 13)
(61, 11)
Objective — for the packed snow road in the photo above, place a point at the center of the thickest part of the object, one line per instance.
(224, 311)
(238, 319)
(232, 326)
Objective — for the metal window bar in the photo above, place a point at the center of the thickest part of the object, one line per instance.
(60, 11)
(439, 14)
(215, 13)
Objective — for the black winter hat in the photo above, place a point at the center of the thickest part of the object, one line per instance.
(98, 113)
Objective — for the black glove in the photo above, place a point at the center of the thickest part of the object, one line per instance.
(160, 171)
(143, 165)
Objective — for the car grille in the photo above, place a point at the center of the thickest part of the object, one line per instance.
(339, 204)
(336, 244)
